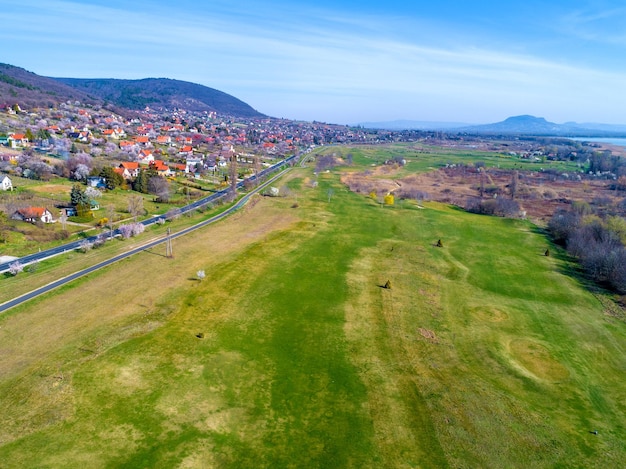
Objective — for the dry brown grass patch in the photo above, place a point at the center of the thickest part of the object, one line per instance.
(537, 360)
(428, 334)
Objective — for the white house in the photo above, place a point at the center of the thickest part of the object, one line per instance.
(6, 184)
(33, 215)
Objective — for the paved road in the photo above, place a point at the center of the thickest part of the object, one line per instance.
(75, 245)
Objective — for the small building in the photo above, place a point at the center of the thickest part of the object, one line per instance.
(98, 182)
(17, 140)
(130, 169)
(33, 215)
(6, 184)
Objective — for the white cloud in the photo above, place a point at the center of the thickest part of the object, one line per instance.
(310, 64)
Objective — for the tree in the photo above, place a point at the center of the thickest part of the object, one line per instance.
(135, 206)
(513, 184)
(93, 193)
(110, 218)
(78, 196)
(112, 178)
(389, 199)
(15, 268)
(29, 135)
(160, 187)
(233, 175)
(132, 229)
(43, 134)
(140, 184)
(81, 173)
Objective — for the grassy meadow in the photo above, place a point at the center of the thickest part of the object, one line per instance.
(290, 353)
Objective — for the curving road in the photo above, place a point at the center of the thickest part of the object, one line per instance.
(76, 244)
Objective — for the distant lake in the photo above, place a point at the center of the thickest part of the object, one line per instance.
(610, 141)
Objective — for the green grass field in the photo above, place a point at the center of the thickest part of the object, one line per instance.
(483, 353)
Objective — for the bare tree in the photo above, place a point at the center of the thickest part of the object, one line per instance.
(513, 184)
(110, 218)
(233, 175)
(135, 206)
(160, 187)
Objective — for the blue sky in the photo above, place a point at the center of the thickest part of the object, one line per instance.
(345, 61)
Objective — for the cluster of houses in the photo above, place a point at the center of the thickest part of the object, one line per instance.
(171, 143)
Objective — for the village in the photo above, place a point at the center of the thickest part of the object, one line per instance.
(179, 150)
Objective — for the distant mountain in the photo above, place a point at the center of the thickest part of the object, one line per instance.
(161, 93)
(531, 125)
(412, 125)
(29, 90)
(19, 86)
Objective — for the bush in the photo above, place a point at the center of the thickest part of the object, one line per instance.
(16, 268)
(173, 214)
(500, 206)
(85, 246)
(131, 229)
(595, 244)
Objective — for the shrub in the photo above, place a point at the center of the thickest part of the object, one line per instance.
(131, 229)
(500, 206)
(85, 246)
(173, 214)
(15, 268)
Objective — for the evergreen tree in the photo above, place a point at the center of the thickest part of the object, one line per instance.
(140, 184)
(112, 178)
(78, 196)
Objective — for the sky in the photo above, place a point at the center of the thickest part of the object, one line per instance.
(345, 61)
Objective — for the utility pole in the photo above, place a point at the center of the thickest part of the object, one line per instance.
(169, 252)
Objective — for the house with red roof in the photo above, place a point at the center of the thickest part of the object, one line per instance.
(178, 167)
(164, 139)
(130, 169)
(33, 215)
(17, 140)
(187, 150)
(122, 172)
(160, 167)
(115, 133)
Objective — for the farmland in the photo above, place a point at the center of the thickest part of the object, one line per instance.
(291, 353)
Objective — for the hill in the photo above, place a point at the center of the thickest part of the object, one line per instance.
(161, 93)
(531, 125)
(30, 90)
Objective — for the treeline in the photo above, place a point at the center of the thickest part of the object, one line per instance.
(500, 206)
(597, 242)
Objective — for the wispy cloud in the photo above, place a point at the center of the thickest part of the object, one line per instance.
(599, 25)
(292, 61)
